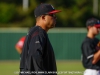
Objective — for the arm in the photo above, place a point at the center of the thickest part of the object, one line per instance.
(90, 53)
(18, 49)
(19, 45)
(36, 48)
(96, 57)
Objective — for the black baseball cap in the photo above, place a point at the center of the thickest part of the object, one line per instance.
(93, 22)
(44, 8)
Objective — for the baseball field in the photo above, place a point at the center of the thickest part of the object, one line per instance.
(64, 68)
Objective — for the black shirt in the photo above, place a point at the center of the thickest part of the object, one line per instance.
(89, 48)
(37, 54)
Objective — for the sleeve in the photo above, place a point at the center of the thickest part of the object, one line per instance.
(20, 43)
(97, 44)
(88, 50)
(36, 48)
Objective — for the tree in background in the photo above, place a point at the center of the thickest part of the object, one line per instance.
(74, 12)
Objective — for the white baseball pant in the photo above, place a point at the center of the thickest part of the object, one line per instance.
(91, 72)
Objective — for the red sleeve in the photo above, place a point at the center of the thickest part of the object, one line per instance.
(20, 42)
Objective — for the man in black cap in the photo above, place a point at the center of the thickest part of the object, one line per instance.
(37, 56)
(91, 48)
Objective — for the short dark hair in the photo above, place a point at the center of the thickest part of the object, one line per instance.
(93, 22)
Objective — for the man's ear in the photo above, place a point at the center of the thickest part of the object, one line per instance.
(43, 17)
(89, 27)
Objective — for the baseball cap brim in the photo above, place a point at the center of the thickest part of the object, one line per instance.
(54, 11)
(97, 25)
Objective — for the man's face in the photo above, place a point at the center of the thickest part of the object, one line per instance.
(95, 30)
(98, 28)
(50, 20)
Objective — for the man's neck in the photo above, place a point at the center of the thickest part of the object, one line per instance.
(42, 26)
(90, 35)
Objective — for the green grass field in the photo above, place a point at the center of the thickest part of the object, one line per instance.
(64, 67)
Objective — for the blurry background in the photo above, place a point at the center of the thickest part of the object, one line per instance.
(16, 16)
(19, 13)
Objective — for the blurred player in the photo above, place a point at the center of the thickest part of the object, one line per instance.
(91, 48)
(19, 44)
